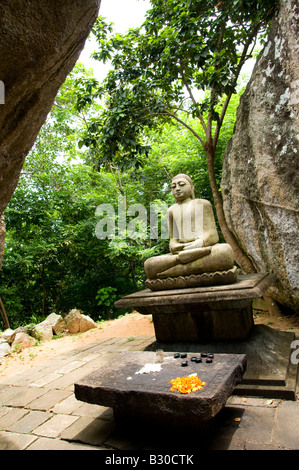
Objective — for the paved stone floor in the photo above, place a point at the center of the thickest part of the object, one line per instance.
(38, 411)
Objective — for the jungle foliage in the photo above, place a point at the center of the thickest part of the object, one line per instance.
(170, 96)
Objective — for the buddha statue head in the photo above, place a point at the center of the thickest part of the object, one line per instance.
(182, 187)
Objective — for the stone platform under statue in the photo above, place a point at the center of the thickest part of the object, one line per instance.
(201, 314)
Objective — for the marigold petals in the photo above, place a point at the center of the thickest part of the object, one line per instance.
(186, 384)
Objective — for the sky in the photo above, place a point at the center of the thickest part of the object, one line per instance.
(124, 14)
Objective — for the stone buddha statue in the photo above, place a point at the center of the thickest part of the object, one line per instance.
(196, 257)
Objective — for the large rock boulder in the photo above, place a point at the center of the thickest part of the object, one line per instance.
(4, 348)
(8, 335)
(22, 341)
(43, 331)
(260, 183)
(40, 43)
(57, 322)
(77, 322)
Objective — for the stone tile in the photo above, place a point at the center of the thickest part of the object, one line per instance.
(97, 358)
(287, 432)
(140, 345)
(25, 396)
(55, 426)
(94, 411)
(7, 392)
(68, 406)
(88, 356)
(66, 380)
(47, 401)
(29, 422)
(12, 380)
(14, 441)
(70, 367)
(45, 380)
(89, 431)
(11, 417)
(44, 443)
(255, 424)
(53, 364)
(98, 362)
(30, 375)
(261, 446)
(4, 410)
(252, 401)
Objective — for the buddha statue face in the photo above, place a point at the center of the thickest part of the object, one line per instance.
(182, 188)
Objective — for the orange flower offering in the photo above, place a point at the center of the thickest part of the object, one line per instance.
(187, 384)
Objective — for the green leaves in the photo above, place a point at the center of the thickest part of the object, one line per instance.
(106, 296)
(184, 49)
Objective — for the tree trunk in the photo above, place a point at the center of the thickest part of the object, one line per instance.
(44, 288)
(3, 315)
(2, 238)
(240, 257)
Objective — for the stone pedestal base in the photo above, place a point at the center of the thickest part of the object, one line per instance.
(204, 322)
(203, 314)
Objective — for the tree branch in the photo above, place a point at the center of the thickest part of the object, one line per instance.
(194, 101)
(168, 113)
(241, 63)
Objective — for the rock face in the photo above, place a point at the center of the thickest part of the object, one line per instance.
(260, 184)
(40, 43)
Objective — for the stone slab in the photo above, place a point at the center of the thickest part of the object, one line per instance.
(288, 429)
(15, 441)
(201, 313)
(12, 416)
(54, 426)
(29, 422)
(49, 399)
(269, 372)
(249, 286)
(147, 398)
(44, 443)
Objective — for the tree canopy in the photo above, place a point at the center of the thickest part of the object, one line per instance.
(185, 60)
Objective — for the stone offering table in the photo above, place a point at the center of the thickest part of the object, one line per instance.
(202, 314)
(146, 398)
